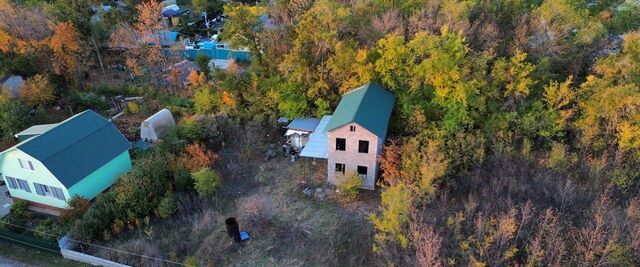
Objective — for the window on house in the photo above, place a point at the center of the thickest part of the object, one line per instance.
(23, 185)
(362, 171)
(341, 144)
(11, 182)
(26, 164)
(352, 128)
(363, 146)
(20, 184)
(340, 168)
(49, 191)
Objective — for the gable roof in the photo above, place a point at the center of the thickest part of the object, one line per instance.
(77, 146)
(369, 106)
(304, 124)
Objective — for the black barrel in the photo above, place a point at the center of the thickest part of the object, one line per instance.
(233, 230)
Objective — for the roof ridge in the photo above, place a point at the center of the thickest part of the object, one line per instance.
(366, 88)
(77, 141)
(59, 123)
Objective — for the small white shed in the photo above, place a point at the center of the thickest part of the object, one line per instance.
(152, 128)
(299, 129)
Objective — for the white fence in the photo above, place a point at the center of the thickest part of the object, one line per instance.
(86, 258)
(66, 246)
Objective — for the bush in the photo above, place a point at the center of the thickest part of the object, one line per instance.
(167, 206)
(203, 63)
(87, 100)
(136, 195)
(348, 186)
(132, 108)
(19, 209)
(206, 181)
(181, 179)
(257, 210)
(204, 100)
(559, 159)
(196, 156)
(77, 207)
(191, 261)
(49, 230)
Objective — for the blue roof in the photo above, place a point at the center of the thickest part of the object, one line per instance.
(304, 124)
(168, 38)
(370, 106)
(77, 146)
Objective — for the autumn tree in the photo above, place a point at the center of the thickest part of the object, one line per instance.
(391, 224)
(141, 42)
(610, 101)
(66, 46)
(36, 91)
(22, 29)
(242, 27)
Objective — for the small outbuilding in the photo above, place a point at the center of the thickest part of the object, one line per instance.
(299, 129)
(13, 84)
(152, 128)
(316, 147)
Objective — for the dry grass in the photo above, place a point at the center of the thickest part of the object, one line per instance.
(301, 231)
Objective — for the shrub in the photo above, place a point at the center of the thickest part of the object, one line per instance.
(191, 261)
(167, 206)
(204, 100)
(136, 195)
(348, 186)
(19, 208)
(257, 210)
(132, 108)
(196, 156)
(208, 128)
(181, 179)
(559, 159)
(77, 207)
(140, 190)
(49, 230)
(206, 181)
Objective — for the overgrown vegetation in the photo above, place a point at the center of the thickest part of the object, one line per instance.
(515, 138)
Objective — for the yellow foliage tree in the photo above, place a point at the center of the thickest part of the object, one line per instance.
(37, 90)
(392, 222)
(65, 44)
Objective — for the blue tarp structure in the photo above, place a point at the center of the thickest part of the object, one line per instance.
(215, 50)
(171, 11)
(168, 38)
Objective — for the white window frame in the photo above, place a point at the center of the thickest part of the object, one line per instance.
(19, 183)
(47, 191)
(28, 166)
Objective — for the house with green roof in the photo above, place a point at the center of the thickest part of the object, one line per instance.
(356, 132)
(82, 155)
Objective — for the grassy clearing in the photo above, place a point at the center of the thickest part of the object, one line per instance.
(303, 231)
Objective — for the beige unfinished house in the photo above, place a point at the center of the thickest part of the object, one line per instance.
(356, 132)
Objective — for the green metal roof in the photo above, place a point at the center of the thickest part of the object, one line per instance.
(369, 106)
(77, 147)
(34, 130)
